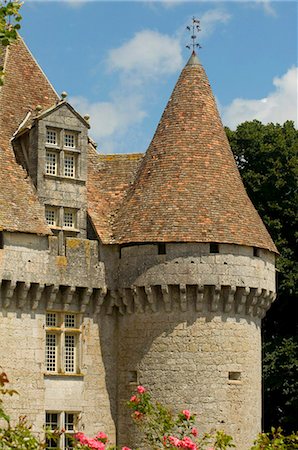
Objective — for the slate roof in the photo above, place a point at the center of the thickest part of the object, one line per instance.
(188, 188)
(25, 87)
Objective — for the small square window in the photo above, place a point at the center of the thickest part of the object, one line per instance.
(51, 320)
(162, 248)
(51, 137)
(69, 140)
(70, 321)
(69, 166)
(214, 247)
(69, 219)
(51, 163)
(51, 216)
(235, 376)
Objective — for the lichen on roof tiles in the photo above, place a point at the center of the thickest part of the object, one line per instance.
(188, 187)
(25, 87)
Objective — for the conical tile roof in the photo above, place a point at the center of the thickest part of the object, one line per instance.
(188, 187)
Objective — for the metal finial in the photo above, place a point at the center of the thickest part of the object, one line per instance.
(194, 28)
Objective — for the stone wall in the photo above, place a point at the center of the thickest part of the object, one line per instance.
(189, 330)
(23, 359)
(186, 359)
(35, 279)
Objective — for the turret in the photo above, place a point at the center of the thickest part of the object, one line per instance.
(196, 272)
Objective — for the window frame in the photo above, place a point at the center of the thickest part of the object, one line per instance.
(73, 169)
(50, 164)
(74, 137)
(52, 209)
(62, 150)
(73, 214)
(62, 358)
(54, 131)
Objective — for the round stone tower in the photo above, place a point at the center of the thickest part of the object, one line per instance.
(196, 274)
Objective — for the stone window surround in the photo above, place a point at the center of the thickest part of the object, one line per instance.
(59, 212)
(57, 420)
(61, 332)
(61, 150)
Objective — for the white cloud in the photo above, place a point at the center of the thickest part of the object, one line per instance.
(148, 54)
(211, 18)
(267, 6)
(280, 105)
(111, 121)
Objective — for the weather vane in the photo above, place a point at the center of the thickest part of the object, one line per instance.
(194, 28)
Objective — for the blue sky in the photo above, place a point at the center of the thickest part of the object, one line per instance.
(119, 61)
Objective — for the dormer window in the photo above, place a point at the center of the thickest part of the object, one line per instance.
(69, 165)
(69, 140)
(51, 163)
(52, 137)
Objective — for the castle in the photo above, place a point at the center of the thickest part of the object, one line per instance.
(119, 270)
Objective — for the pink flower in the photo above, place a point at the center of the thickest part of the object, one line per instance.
(141, 389)
(125, 448)
(81, 438)
(134, 399)
(94, 444)
(186, 414)
(187, 443)
(102, 437)
(174, 441)
(137, 415)
(194, 431)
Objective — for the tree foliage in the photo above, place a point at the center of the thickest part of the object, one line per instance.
(9, 25)
(267, 157)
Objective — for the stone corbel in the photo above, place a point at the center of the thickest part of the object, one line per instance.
(85, 299)
(115, 300)
(252, 300)
(137, 299)
(200, 298)
(166, 297)
(67, 297)
(215, 298)
(51, 292)
(37, 291)
(242, 294)
(9, 290)
(183, 297)
(99, 297)
(264, 301)
(151, 297)
(230, 299)
(23, 289)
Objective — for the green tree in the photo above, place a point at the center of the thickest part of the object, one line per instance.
(9, 25)
(267, 157)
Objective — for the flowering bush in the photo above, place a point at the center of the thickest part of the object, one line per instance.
(163, 429)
